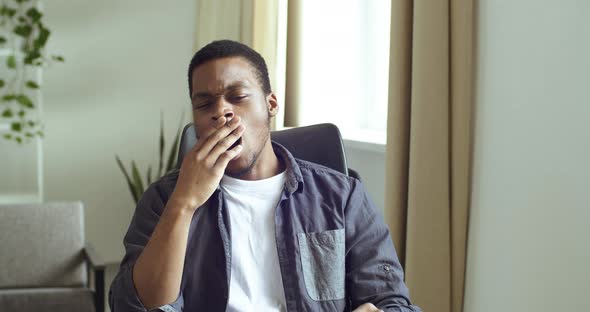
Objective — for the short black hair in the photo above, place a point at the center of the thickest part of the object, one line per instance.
(229, 48)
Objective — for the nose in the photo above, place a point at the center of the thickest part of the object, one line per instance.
(222, 109)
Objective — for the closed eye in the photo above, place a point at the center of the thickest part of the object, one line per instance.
(238, 98)
(201, 105)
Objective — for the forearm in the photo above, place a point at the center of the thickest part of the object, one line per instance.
(157, 274)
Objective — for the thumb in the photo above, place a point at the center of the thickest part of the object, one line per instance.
(367, 307)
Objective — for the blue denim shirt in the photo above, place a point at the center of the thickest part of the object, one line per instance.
(334, 249)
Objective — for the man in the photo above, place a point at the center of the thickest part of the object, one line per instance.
(243, 226)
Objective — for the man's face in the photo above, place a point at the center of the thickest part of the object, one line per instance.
(229, 87)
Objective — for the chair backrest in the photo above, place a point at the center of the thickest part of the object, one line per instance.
(41, 245)
(320, 144)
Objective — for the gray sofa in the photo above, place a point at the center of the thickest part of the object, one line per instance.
(45, 262)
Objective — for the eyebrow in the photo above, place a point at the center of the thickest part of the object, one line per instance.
(232, 87)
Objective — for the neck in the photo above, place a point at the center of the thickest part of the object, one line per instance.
(267, 165)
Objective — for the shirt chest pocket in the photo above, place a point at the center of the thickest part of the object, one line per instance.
(322, 260)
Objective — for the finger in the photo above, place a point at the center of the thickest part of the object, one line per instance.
(217, 136)
(225, 144)
(219, 122)
(226, 157)
(367, 307)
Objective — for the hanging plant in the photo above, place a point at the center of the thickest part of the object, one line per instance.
(23, 37)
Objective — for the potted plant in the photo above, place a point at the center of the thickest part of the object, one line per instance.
(133, 177)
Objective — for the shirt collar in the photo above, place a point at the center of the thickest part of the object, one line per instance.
(294, 179)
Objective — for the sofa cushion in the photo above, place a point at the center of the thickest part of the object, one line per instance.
(47, 299)
(42, 245)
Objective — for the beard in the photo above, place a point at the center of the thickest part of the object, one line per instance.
(263, 137)
(237, 174)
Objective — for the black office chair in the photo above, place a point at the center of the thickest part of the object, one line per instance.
(320, 144)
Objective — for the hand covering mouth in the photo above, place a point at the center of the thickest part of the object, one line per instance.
(236, 143)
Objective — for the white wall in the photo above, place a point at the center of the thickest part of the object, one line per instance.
(369, 161)
(125, 61)
(529, 239)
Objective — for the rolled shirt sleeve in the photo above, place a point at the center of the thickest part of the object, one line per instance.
(123, 296)
(373, 271)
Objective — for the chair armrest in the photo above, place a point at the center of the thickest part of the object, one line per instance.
(354, 174)
(98, 267)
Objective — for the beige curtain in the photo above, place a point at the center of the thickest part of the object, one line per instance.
(269, 38)
(429, 146)
(223, 19)
(293, 56)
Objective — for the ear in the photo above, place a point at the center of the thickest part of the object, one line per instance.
(272, 104)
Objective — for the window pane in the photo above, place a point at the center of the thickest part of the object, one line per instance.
(345, 63)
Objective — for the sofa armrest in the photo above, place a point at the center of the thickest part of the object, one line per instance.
(97, 265)
(93, 258)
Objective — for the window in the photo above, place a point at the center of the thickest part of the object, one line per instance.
(344, 66)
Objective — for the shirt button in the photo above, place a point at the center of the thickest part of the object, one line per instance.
(386, 268)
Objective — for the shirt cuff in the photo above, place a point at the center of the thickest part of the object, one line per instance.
(125, 297)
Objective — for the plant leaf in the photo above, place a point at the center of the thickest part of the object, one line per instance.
(33, 85)
(8, 97)
(149, 175)
(8, 136)
(31, 57)
(174, 148)
(19, 140)
(129, 183)
(21, 113)
(16, 126)
(34, 14)
(1, 83)
(11, 61)
(58, 58)
(7, 11)
(161, 159)
(7, 113)
(23, 30)
(2, 40)
(42, 39)
(136, 179)
(25, 101)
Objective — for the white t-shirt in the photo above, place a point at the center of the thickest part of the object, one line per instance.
(256, 283)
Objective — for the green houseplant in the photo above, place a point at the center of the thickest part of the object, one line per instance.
(23, 37)
(135, 181)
